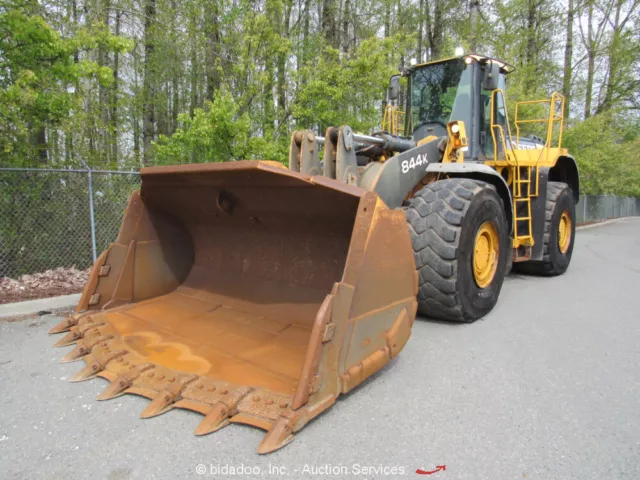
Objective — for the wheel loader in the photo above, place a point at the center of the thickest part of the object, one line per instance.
(256, 294)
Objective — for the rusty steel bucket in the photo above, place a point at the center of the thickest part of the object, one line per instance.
(245, 292)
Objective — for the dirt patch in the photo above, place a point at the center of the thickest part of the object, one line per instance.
(51, 283)
(33, 295)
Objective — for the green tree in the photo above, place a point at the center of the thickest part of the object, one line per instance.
(606, 146)
(72, 86)
(216, 133)
(37, 66)
(349, 90)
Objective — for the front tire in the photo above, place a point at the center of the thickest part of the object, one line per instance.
(460, 241)
(559, 233)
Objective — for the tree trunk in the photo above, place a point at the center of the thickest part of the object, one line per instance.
(437, 29)
(429, 30)
(345, 26)
(591, 60)
(68, 136)
(305, 31)
(613, 67)
(74, 13)
(175, 102)
(530, 51)
(268, 114)
(114, 96)
(329, 22)
(135, 114)
(434, 29)
(420, 31)
(474, 13)
(400, 25)
(103, 152)
(212, 52)
(568, 58)
(162, 109)
(148, 89)
(193, 104)
(282, 63)
(387, 18)
(40, 142)
(589, 85)
(176, 68)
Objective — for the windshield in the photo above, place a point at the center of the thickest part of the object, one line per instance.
(440, 93)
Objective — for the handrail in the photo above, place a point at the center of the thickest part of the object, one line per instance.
(391, 119)
(495, 125)
(550, 120)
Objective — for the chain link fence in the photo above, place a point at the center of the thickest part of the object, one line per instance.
(64, 218)
(59, 218)
(592, 208)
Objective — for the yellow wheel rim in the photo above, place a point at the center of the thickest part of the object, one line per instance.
(564, 232)
(485, 254)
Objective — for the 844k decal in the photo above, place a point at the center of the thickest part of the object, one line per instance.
(417, 161)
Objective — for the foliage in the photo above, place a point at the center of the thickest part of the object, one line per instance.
(339, 91)
(134, 82)
(606, 148)
(37, 65)
(216, 133)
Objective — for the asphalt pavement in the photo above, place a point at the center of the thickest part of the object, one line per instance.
(545, 387)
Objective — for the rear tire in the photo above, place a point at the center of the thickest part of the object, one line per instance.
(557, 246)
(448, 221)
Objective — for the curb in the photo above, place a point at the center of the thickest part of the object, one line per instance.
(603, 223)
(34, 306)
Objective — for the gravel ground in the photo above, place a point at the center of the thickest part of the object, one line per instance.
(545, 387)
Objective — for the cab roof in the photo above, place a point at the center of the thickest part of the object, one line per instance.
(504, 67)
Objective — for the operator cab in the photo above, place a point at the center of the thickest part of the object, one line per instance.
(459, 89)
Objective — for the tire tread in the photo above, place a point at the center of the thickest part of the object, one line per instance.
(545, 266)
(435, 216)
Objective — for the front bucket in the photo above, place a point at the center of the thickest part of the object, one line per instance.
(248, 293)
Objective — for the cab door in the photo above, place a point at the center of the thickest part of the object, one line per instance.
(500, 128)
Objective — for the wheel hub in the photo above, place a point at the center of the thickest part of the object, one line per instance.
(485, 254)
(564, 232)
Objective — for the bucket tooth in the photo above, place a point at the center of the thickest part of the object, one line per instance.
(115, 388)
(280, 434)
(76, 354)
(90, 371)
(65, 325)
(159, 405)
(121, 383)
(69, 339)
(217, 418)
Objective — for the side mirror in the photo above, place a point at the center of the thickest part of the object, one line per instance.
(491, 76)
(394, 87)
